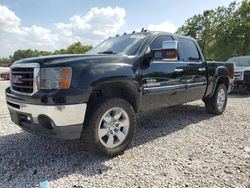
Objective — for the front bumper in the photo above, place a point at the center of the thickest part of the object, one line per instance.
(58, 121)
(241, 82)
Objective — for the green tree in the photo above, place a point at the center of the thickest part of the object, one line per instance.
(76, 48)
(223, 32)
(5, 62)
(201, 28)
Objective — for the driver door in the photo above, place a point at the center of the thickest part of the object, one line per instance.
(163, 82)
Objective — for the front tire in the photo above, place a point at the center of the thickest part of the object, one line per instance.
(109, 127)
(218, 102)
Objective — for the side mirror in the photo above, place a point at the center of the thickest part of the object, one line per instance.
(170, 45)
(168, 52)
(148, 53)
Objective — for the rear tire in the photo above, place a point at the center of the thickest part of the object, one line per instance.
(109, 127)
(218, 102)
(248, 87)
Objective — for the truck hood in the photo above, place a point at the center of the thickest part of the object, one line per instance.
(71, 59)
(242, 68)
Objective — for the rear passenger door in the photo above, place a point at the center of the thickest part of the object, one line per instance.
(195, 69)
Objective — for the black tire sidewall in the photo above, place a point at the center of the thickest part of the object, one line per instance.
(103, 106)
(248, 87)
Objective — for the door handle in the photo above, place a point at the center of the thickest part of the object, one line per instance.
(178, 70)
(202, 69)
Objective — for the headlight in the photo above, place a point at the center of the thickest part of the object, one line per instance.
(55, 78)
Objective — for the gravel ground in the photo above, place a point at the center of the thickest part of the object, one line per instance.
(181, 146)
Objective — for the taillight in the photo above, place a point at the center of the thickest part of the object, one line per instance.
(233, 71)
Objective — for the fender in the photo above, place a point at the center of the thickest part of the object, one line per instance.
(113, 79)
(127, 89)
(221, 72)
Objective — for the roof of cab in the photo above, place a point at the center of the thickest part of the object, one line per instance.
(160, 33)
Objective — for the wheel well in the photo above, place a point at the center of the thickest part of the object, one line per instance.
(223, 80)
(124, 90)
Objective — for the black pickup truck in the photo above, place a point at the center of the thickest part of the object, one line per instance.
(94, 97)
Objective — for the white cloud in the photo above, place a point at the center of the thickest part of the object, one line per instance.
(96, 25)
(9, 22)
(164, 26)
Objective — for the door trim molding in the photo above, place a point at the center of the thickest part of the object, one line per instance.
(196, 84)
(172, 88)
(177, 61)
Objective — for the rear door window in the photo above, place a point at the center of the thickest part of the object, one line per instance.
(189, 51)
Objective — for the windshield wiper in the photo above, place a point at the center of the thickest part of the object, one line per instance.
(107, 52)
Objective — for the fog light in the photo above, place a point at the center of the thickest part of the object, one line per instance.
(46, 122)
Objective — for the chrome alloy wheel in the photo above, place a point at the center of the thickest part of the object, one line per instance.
(221, 97)
(113, 127)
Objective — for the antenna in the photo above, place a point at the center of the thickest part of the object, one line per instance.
(73, 35)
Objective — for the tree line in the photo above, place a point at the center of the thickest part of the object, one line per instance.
(222, 32)
(75, 48)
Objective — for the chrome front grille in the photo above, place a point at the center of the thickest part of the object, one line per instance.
(238, 75)
(25, 78)
(22, 79)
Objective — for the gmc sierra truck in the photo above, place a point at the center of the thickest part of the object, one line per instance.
(94, 97)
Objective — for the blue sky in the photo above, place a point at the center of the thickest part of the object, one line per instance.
(51, 24)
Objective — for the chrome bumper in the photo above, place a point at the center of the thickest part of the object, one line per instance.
(61, 115)
(61, 121)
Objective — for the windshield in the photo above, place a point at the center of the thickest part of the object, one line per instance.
(240, 61)
(125, 44)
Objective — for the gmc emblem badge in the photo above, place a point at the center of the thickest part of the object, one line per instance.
(16, 79)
